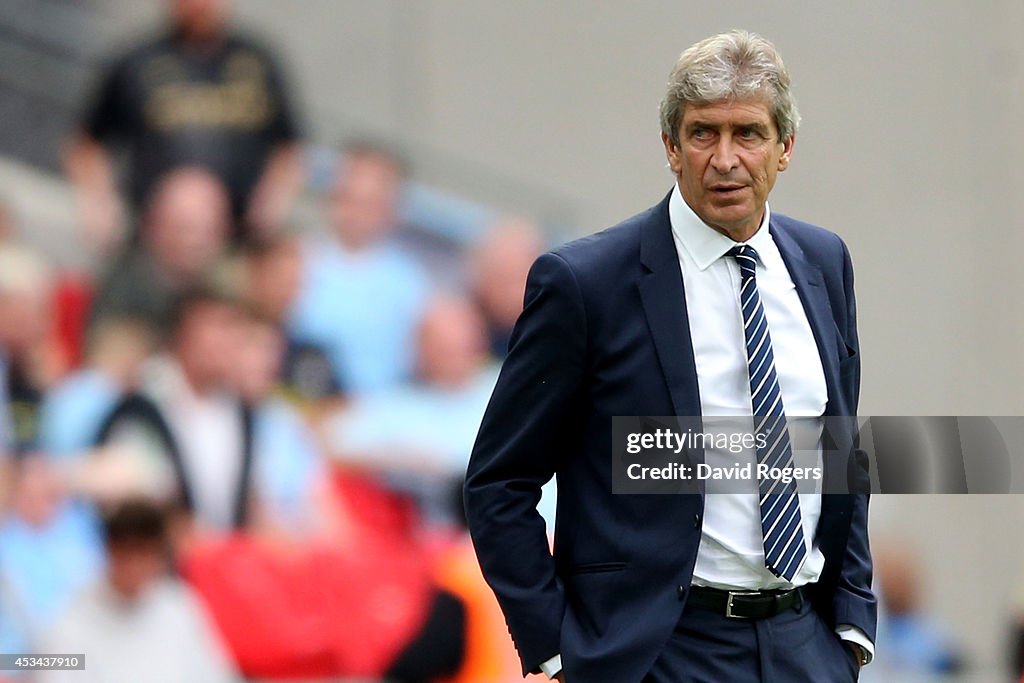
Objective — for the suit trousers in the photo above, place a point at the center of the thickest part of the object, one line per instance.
(795, 646)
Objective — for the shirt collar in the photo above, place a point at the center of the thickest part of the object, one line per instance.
(704, 244)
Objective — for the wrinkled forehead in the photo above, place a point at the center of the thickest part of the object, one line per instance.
(756, 109)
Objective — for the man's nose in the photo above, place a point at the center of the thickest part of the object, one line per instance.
(724, 158)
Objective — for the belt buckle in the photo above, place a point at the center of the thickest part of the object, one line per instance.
(729, 605)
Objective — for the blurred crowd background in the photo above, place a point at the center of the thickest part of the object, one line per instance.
(250, 316)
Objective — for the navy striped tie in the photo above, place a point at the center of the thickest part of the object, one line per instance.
(781, 527)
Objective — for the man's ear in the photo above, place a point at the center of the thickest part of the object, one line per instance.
(672, 153)
(787, 152)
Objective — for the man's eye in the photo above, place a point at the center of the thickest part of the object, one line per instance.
(748, 133)
(700, 134)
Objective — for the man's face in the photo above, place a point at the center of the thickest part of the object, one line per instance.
(187, 225)
(364, 200)
(200, 19)
(257, 359)
(452, 344)
(275, 279)
(728, 155)
(24, 319)
(134, 566)
(206, 343)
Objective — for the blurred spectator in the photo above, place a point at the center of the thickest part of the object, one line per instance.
(184, 233)
(361, 296)
(290, 475)
(498, 268)
(70, 297)
(139, 624)
(197, 95)
(74, 410)
(206, 408)
(29, 361)
(49, 544)
(419, 436)
(187, 412)
(914, 643)
(273, 276)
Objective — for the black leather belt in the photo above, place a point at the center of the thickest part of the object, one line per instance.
(745, 604)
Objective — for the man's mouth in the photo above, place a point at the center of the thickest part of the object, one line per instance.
(726, 189)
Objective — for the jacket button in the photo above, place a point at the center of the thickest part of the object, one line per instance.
(681, 592)
(696, 521)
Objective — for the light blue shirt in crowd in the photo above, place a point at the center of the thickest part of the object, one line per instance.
(362, 309)
(287, 463)
(73, 412)
(438, 424)
(45, 567)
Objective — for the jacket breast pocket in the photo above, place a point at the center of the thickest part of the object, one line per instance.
(597, 568)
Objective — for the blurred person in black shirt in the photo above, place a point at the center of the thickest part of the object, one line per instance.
(198, 94)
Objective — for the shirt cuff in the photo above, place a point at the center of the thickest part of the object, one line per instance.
(552, 667)
(857, 637)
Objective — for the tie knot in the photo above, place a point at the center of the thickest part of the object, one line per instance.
(746, 257)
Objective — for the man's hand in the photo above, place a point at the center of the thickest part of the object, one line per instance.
(101, 215)
(858, 652)
(274, 194)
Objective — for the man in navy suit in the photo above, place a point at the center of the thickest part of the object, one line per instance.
(708, 304)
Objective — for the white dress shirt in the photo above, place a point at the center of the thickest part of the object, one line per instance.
(731, 554)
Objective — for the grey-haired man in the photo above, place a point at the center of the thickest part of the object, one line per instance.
(708, 304)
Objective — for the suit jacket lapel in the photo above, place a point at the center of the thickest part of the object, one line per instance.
(664, 303)
(810, 287)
